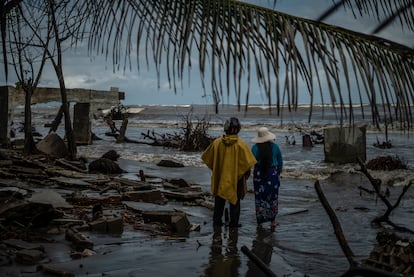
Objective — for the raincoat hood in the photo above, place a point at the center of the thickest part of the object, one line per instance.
(229, 140)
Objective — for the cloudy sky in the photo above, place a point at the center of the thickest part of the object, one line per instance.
(141, 87)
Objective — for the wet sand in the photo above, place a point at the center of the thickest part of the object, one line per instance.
(303, 243)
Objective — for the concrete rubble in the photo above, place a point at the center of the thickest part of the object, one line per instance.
(41, 195)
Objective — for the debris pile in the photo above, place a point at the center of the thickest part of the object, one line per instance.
(41, 196)
(386, 163)
(393, 254)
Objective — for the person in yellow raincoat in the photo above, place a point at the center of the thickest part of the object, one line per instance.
(230, 160)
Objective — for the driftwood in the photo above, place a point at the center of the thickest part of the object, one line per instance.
(194, 134)
(355, 269)
(376, 184)
(119, 134)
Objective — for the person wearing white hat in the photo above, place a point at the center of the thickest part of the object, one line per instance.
(266, 176)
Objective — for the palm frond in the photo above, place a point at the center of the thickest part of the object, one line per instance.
(248, 42)
(234, 44)
(387, 12)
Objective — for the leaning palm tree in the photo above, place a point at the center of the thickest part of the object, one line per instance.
(234, 43)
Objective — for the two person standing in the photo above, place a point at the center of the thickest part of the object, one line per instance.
(231, 160)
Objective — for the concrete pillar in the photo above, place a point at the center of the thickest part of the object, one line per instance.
(82, 124)
(307, 141)
(4, 116)
(345, 144)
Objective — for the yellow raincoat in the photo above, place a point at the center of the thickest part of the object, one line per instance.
(229, 158)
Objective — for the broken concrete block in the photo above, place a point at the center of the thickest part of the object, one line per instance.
(21, 244)
(176, 220)
(115, 225)
(345, 145)
(180, 224)
(53, 145)
(149, 196)
(29, 256)
(53, 270)
(50, 197)
(79, 241)
(36, 214)
(98, 225)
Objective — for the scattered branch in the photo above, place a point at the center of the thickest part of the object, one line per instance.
(354, 268)
(376, 183)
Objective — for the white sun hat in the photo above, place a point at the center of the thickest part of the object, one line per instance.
(263, 135)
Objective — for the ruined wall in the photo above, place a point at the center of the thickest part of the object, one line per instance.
(96, 100)
(345, 144)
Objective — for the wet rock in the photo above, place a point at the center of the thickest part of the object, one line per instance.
(112, 155)
(105, 166)
(26, 213)
(180, 182)
(29, 256)
(169, 163)
(53, 145)
(21, 244)
(12, 192)
(50, 197)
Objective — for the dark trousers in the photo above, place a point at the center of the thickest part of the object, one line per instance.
(219, 204)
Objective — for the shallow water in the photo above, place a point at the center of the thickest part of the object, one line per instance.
(303, 244)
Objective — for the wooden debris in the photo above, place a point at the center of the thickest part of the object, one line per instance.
(386, 163)
(136, 185)
(376, 184)
(355, 269)
(183, 196)
(392, 253)
(150, 196)
(63, 185)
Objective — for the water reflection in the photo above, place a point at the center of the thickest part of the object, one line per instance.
(262, 247)
(224, 259)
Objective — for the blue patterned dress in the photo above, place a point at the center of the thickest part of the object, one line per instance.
(266, 192)
(266, 184)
